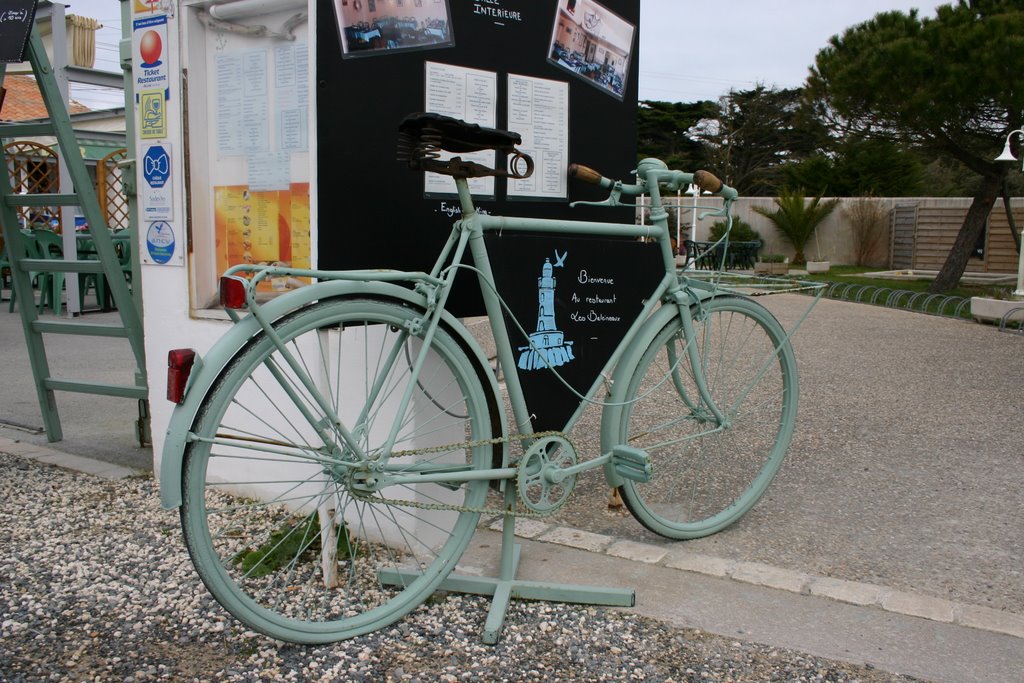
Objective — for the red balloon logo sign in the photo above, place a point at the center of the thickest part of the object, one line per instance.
(150, 48)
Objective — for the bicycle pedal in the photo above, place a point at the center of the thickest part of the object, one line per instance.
(632, 463)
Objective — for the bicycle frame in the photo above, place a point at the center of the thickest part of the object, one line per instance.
(431, 291)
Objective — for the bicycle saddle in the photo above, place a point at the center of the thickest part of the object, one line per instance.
(421, 137)
(455, 135)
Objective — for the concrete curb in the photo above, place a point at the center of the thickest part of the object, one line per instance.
(764, 575)
(77, 463)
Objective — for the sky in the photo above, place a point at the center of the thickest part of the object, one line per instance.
(688, 51)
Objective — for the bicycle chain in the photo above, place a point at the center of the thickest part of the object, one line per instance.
(464, 508)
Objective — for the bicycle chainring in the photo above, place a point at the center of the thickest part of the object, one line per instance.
(543, 484)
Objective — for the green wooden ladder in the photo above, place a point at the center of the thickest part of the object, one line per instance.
(106, 263)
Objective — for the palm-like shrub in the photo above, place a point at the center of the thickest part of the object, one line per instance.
(797, 219)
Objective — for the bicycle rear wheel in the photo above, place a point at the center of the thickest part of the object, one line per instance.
(277, 521)
(706, 475)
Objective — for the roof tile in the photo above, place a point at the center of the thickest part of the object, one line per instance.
(24, 101)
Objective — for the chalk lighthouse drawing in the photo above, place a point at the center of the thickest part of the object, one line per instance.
(547, 347)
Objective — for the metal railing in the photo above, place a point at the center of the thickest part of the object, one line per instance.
(944, 305)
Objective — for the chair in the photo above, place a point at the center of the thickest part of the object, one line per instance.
(50, 245)
(36, 279)
(95, 281)
(742, 255)
(5, 269)
(124, 257)
(703, 255)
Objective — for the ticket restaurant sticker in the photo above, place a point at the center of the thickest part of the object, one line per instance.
(149, 53)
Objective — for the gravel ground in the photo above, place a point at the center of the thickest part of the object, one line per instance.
(95, 585)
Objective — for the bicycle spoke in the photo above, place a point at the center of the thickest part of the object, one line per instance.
(706, 474)
(260, 484)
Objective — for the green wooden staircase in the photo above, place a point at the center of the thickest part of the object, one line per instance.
(106, 262)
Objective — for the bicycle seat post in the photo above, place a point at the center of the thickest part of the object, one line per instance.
(465, 197)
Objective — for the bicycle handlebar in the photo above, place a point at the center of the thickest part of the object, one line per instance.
(705, 180)
(587, 175)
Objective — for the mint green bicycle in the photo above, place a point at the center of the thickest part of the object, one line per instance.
(332, 454)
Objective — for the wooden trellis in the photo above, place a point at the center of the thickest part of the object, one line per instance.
(110, 189)
(33, 168)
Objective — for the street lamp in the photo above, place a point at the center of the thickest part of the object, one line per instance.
(1007, 155)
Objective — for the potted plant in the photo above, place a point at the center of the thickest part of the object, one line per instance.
(998, 307)
(771, 264)
(797, 219)
(818, 266)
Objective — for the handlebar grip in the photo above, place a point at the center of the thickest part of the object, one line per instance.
(707, 181)
(584, 173)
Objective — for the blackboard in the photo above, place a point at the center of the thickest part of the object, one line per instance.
(373, 211)
(575, 297)
(16, 17)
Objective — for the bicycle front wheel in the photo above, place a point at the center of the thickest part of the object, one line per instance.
(284, 524)
(707, 473)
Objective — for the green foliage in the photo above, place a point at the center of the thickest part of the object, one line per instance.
(287, 542)
(797, 219)
(948, 84)
(741, 231)
(861, 167)
(772, 258)
(755, 134)
(664, 132)
(949, 80)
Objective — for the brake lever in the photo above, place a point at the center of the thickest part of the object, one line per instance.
(612, 200)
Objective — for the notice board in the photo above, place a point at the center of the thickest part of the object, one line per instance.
(562, 73)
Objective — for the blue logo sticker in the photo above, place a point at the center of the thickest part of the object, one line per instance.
(156, 166)
(160, 241)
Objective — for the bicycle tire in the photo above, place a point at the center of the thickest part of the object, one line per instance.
(258, 505)
(705, 478)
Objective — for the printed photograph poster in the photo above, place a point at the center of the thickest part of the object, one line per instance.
(375, 27)
(593, 43)
(262, 227)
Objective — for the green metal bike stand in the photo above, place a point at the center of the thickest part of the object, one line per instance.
(506, 586)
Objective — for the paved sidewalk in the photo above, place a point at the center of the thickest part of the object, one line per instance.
(99, 427)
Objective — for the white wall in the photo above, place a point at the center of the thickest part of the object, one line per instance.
(833, 240)
(174, 317)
